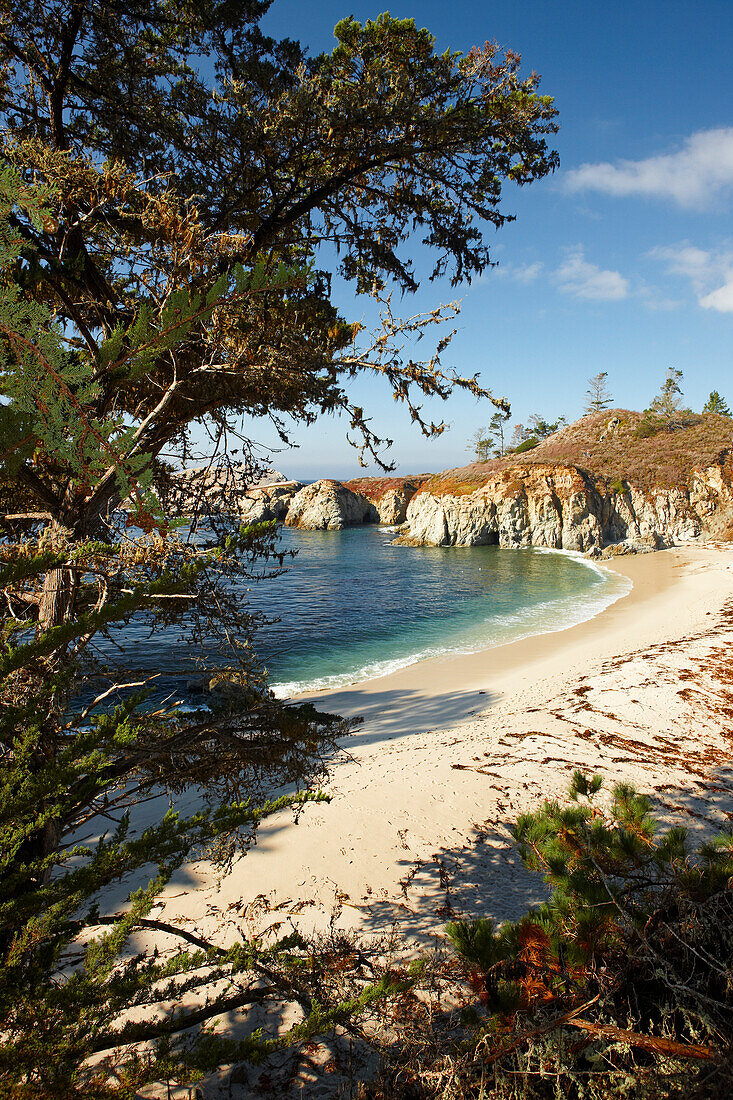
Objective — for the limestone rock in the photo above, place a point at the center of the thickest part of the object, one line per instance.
(561, 506)
(389, 496)
(392, 506)
(328, 505)
(269, 503)
(551, 506)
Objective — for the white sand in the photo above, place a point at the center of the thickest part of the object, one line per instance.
(453, 749)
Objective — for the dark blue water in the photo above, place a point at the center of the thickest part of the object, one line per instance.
(353, 606)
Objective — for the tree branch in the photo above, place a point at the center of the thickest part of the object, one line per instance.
(142, 1032)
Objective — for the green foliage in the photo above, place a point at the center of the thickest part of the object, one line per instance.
(635, 938)
(648, 426)
(488, 442)
(201, 196)
(542, 429)
(527, 445)
(667, 405)
(160, 222)
(716, 404)
(539, 429)
(50, 898)
(70, 771)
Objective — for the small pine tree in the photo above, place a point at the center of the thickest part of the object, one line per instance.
(716, 404)
(496, 431)
(489, 442)
(543, 429)
(520, 435)
(597, 396)
(479, 445)
(633, 944)
(668, 403)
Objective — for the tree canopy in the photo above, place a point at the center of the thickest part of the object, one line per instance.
(177, 191)
(177, 141)
(667, 405)
(716, 404)
(488, 442)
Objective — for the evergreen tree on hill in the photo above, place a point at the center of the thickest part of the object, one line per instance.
(667, 405)
(488, 442)
(542, 429)
(598, 395)
(716, 404)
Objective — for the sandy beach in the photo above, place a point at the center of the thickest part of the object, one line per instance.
(452, 750)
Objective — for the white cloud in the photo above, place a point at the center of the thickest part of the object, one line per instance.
(584, 280)
(692, 176)
(522, 273)
(703, 270)
(527, 273)
(685, 259)
(720, 299)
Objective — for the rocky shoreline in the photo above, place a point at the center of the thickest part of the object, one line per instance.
(553, 507)
(539, 499)
(563, 507)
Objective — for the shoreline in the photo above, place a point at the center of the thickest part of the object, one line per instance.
(308, 693)
(453, 749)
(651, 576)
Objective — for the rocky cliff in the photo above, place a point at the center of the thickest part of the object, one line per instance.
(390, 496)
(563, 507)
(331, 505)
(610, 482)
(672, 485)
(328, 505)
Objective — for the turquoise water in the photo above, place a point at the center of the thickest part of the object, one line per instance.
(353, 606)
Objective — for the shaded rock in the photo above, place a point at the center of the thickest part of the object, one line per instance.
(389, 495)
(392, 506)
(197, 685)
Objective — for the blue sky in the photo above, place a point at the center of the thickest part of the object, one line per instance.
(620, 262)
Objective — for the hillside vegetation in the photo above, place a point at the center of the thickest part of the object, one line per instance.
(636, 451)
(374, 488)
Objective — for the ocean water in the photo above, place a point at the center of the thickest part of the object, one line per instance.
(353, 606)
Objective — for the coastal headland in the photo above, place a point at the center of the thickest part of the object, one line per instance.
(612, 482)
(452, 750)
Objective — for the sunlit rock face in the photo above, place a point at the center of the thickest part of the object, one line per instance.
(562, 507)
(328, 505)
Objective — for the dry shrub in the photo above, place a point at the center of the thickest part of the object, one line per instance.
(665, 460)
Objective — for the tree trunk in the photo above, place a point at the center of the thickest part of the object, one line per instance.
(57, 598)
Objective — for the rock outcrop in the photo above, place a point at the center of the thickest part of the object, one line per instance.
(563, 507)
(392, 505)
(613, 482)
(231, 489)
(389, 495)
(268, 503)
(328, 505)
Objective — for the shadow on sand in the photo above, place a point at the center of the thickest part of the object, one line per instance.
(402, 712)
